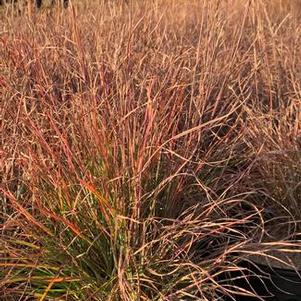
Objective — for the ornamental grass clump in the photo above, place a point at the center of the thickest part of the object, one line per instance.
(129, 151)
(277, 171)
(273, 122)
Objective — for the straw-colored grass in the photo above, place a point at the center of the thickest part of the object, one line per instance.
(144, 145)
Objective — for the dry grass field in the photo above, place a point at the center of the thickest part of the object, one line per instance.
(145, 146)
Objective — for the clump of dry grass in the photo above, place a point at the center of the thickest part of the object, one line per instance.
(133, 143)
